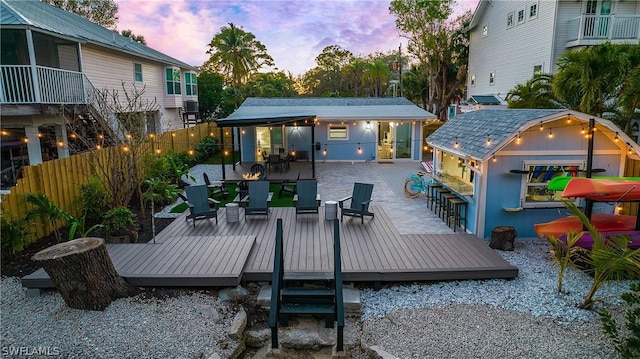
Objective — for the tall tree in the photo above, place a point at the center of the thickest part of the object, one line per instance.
(236, 54)
(534, 93)
(102, 12)
(376, 76)
(440, 45)
(326, 79)
(137, 38)
(210, 94)
(271, 84)
(415, 86)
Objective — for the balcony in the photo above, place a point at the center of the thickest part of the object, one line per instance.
(49, 86)
(594, 29)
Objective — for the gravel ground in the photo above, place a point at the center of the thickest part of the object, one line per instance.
(519, 318)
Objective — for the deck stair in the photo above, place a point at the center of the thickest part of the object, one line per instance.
(297, 293)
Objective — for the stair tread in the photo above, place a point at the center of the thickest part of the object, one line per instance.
(307, 308)
(308, 292)
(308, 276)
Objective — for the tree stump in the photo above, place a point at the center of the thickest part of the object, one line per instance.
(83, 273)
(502, 238)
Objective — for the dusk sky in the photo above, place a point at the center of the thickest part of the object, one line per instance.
(294, 32)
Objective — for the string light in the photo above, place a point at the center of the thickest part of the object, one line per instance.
(359, 148)
(26, 140)
(457, 144)
(550, 133)
(582, 129)
(151, 135)
(493, 158)
(488, 140)
(616, 139)
(541, 127)
(518, 139)
(158, 150)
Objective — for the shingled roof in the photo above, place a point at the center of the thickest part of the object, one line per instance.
(472, 129)
(50, 19)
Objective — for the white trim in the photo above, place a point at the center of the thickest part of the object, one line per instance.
(511, 14)
(481, 190)
(537, 5)
(558, 153)
(524, 184)
(524, 15)
(331, 125)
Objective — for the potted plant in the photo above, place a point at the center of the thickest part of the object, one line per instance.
(120, 225)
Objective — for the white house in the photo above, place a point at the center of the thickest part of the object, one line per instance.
(51, 57)
(510, 41)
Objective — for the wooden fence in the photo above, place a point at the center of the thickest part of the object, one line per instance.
(60, 179)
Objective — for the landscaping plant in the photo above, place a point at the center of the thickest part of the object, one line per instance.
(159, 191)
(206, 148)
(44, 208)
(627, 343)
(119, 221)
(93, 201)
(563, 253)
(15, 235)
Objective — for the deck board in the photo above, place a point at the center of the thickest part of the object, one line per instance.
(222, 254)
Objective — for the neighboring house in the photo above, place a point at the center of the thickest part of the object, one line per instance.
(479, 151)
(510, 41)
(51, 57)
(331, 129)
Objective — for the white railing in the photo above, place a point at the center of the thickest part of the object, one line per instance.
(53, 85)
(604, 27)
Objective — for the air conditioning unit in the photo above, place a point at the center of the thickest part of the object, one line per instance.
(191, 106)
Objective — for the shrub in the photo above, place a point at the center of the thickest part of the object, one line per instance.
(178, 166)
(627, 343)
(15, 235)
(119, 221)
(93, 200)
(205, 149)
(43, 207)
(156, 166)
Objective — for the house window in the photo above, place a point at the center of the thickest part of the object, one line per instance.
(485, 30)
(510, 20)
(137, 72)
(338, 132)
(533, 11)
(173, 81)
(534, 184)
(473, 80)
(492, 78)
(537, 70)
(520, 16)
(191, 84)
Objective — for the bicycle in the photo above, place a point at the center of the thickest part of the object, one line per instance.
(415, 184)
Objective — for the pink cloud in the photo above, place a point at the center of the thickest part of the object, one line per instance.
(294, 32)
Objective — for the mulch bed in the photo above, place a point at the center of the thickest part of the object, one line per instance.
(21, 264)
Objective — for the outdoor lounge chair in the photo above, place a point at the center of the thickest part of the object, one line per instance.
(360, 199)
(258, 168)
(289, 187)
(198, 202)
(215, 190)
(259, 199)
(307, 200)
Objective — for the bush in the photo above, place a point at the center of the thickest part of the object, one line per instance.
(178, 166)
(93, 200)
(15, 235)
(627, 345)
(119, 221)
(156, 166)
(205, 149)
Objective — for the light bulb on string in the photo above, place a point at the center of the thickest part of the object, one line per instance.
(456, 144)
(359, 148)
(582, 131)
(550, 133)
(541, 126)
(488, 140)
(616, 139)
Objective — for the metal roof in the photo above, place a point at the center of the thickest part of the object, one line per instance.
(328, 109)
(472, 129)
(43, 17)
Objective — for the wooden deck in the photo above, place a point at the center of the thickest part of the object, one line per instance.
(224, 254)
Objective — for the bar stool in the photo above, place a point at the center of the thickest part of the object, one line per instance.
(440, 192)
(431, 191)
(446, 211)
(459, 207)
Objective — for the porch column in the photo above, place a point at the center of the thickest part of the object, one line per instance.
(61, 137)
(34, 73)
(33, 145)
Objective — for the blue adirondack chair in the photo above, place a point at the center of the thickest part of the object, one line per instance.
(307, 200)
(259, 199)
(360, 200)
(199, 204)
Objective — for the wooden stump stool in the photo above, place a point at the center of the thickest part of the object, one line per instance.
(502, 238)
(83, 273)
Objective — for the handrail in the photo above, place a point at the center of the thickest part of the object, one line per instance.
(337, 272)
(276, 283)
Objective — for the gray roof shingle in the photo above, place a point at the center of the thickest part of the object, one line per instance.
(472, 129)
(38, 15)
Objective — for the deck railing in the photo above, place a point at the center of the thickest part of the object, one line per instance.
(50, 85)
(604, 27)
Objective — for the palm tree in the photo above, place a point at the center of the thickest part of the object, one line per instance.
(353, 72)
(589, 79)
(236, 54)
(534, 93)
(377, 75)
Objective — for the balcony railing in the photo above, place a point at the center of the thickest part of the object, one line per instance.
(50, 86)
(604, 27)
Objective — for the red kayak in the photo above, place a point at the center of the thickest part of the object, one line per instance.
(602, 222)
(586, 241)
(603, 190)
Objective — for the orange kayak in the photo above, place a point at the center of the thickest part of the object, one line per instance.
(603, 190)
(601, 221)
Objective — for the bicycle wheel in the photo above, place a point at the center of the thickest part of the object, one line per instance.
(412, 189)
